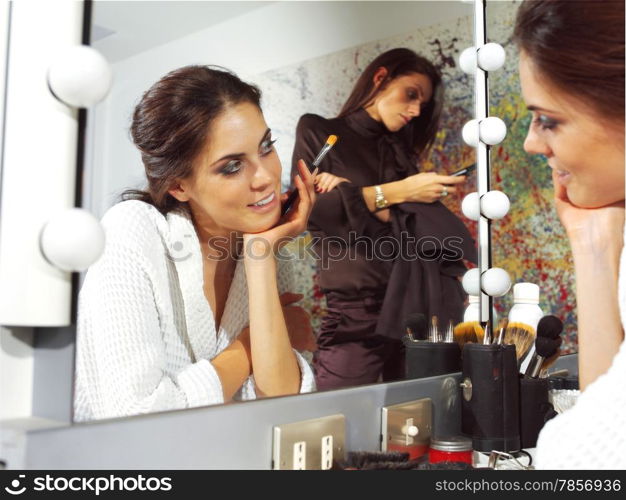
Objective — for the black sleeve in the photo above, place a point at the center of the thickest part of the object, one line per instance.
(343, 210)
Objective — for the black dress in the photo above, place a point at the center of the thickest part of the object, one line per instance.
(370, 283)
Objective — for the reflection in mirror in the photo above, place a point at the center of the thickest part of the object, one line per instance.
(530, 242)
(279, 47)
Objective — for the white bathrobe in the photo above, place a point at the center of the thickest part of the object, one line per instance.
(146, 333)
(592, 434)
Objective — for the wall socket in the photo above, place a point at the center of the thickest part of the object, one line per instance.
(310, 444)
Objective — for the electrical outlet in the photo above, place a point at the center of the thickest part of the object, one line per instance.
(310, 444)
(327, 452)
(299, 455)
(407, 427)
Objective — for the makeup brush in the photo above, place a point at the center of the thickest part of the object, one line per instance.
(416, 327)
(487, 334)
(501, 329)
(547, 344)
(467, 332)
(521, 336)
(330, 142)
(433, 333)
(449, 338)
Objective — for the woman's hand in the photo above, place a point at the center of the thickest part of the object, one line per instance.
(326, 182)
(298, 323)
(590, 230)
(290, 225)
(424, 187)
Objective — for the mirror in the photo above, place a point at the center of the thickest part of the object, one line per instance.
(304, 56)
(530, 242)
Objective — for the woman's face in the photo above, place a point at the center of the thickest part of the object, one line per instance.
(401, 100)
(235, 185)
(585, 150)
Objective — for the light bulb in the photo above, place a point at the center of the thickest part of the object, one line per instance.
(494, 204)
(80, 76)
(470, 133)
(72, 240)
(471, 281)
(495, 282)
(470, 206)
(491, 56)
(467, 61)
(492, 130)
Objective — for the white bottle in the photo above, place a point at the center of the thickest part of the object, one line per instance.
(472, 313)
(526, 310)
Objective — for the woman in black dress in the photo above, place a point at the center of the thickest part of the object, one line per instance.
(372, 201)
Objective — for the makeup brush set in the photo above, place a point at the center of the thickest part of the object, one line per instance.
(503, 409)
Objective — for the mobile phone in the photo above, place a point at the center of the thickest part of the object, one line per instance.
(464, 170)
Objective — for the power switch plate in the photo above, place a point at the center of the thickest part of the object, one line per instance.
(310, 444)
(407, 426)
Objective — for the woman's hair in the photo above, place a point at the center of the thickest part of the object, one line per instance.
(171, 123)
(419, 134)
(577, 46)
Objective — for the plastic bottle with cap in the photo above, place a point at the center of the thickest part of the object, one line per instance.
(472, 312)
(526, 310)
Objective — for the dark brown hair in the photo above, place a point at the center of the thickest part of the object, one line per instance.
(419, 134)
(171, 123)
(577, 46)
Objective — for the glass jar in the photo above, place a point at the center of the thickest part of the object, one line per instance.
(450, 449)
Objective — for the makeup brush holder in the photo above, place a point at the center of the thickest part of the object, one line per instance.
(535, 409)
(490, 407)
(428, 359)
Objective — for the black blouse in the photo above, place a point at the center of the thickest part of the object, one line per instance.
(363, 155)
(348, 238)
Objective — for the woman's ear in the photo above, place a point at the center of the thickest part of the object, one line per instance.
(379, 76)
(179, 190)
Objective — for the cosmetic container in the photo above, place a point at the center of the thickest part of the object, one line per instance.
(450, 449)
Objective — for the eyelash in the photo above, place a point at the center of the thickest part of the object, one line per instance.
(233, 167)
(545, 123)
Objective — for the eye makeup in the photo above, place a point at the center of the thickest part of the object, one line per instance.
(266, 146)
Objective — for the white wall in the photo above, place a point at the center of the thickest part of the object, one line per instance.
(267, 38)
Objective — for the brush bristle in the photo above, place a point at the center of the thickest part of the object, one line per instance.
(521, 336)
(332, 139)
(465, 332)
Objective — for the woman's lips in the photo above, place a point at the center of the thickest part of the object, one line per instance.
(563, 176)
(405, 119)
(266, 207)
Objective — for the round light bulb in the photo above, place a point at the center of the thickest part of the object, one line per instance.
(471, 206)
(471, 281)
(491, 56)
(492, 130)
(467, 61)
(80, 76)
(471, 133)
(496, 282)
(72, 240)
(494, 204)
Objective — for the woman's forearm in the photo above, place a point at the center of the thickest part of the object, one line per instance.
(233, 367)
(599, 328)
(392, 194)
(275, 367)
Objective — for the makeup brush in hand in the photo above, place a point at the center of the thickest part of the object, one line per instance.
(416, 327)
(547, 344)
(314, 168)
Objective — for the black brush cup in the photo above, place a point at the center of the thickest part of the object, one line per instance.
(535, 409)
(428, 359)
(490, 397)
